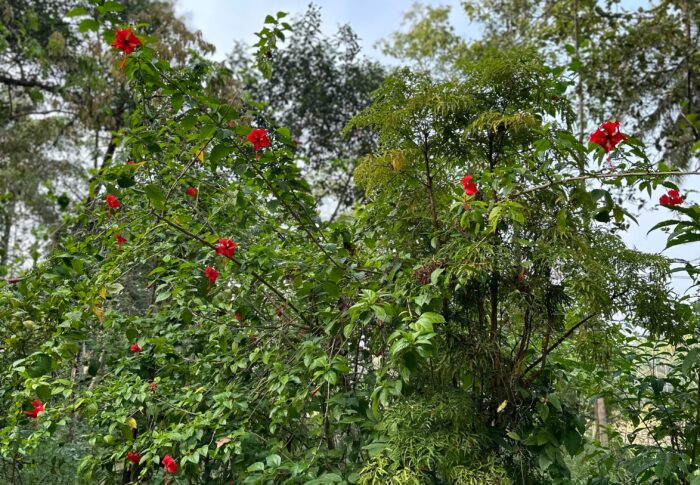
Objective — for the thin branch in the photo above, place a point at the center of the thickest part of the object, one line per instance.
(185, 170)
(599, 176)
(560, 341)
(28, 83)
(255, 275)
(298, 218)
(341, 198)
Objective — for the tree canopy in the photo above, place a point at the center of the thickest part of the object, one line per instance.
(193, 315)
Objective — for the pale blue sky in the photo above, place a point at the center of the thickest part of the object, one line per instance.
(223, 21)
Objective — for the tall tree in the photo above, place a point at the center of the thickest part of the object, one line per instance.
(61, 102)
(638, 65)
(318, 83)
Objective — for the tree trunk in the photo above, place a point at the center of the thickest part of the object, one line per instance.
(601, 421)
(7, 212)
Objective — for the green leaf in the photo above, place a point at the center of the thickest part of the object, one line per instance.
(375, 448)
(435, 275)
(273, 460)
(155, 195)
(544, 461)
(554, 399)
(125, 182)
(111, 6)
(690, 361)
(398, 346)
(258, 466)
(431, 317)
(76, 12)
(43, 392)
(423, 299)
(177, 101)
(206, 132)
(326, 478)
(602, 215)
(88, 25)
(41, 364)
(219, 151)
(331, 289)
(541, 145)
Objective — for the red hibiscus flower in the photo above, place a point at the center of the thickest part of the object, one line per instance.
(38, 408)
(211, 274)
(112, 202)
(671, 198)
(608, 135)
(152, 386)
(258, 137)
(192, 191)
(226, 247)
(133, 457)
(135, 348)
(120, 240)
(169, 464)
(469, 186)
(126, 41)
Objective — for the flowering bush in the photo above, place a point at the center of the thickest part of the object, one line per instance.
(375, 349)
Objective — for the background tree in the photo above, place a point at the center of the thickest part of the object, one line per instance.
(61, 96)
(637, 65)
(318, 83)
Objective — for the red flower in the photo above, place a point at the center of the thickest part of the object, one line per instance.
(258, 137)
(126, 41)
(169, 464)
(135, 348)
(192, 191)
(133, 456)
(469, 186)
(112, 202)
(238, 317)
(608, 135)
(131, 162)
(673, 197)
(226, 247)
(120, 240)
(38, 408)
(211, 274)
(152, 386)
